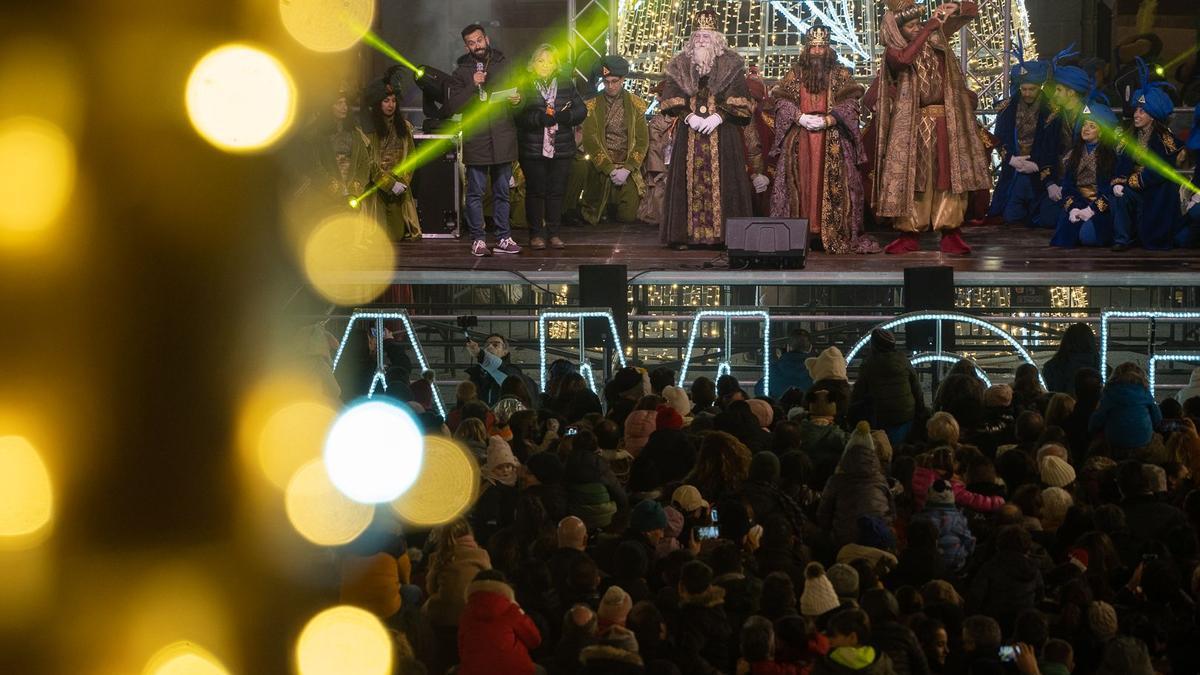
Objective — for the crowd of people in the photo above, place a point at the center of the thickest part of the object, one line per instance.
(1043, 526)
(908, 152)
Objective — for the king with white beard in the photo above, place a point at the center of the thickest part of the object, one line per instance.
(705, 87)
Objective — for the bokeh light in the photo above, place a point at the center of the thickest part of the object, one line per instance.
(26, 494)
(445, 488)
(373, 451)
(291, 437)
(240, 98)
(342, 640)
(184, 658)
(37, 174)
(327, 25)
(319, 512)
(349, 259)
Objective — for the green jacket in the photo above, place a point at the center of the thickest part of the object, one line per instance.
(639, 137)
(888, 384)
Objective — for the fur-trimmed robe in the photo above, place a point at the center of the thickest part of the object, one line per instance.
(838, 215)
(706, 180)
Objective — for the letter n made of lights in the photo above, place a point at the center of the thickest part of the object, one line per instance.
(585, 366)
(380, 376)
(1152, 316)
(729, 315)
(939, 317)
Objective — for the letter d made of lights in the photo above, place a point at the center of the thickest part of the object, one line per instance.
(585, 366)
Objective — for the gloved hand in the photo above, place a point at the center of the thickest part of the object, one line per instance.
(1119, 190)
(619, 176)
(709, 124)
(695, 122)
(1074, 217)
(1023, 164)
(1054, 192)
(398, 188)
(812, 122)
(1086, 214)
(1194, 201)
(760, 182)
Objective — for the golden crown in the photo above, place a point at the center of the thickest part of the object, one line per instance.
(706, 20)
(904, 10)
(818, 35)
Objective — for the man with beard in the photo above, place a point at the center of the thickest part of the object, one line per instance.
(819, 148)
(705, 86)
(1021, 121)
(489, 150)
(929, 156)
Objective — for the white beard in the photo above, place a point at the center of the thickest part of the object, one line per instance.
(704, 57)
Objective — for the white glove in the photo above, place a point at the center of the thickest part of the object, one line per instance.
(1023, 165)
(695, 122)
(1195, 200)
(398, 188)
(1054, 192)
(1119, 190)
(512, 181)
(812, 122)
(709, 124)
(760, 182)
(1017, 161)
(619, 176)
(1075, 217)
(1086, 214)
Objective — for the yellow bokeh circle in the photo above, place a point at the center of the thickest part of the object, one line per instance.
(327, 25)
(343, 640)
(37, 173)
(184, 658)
(349, 259)
(240, 98)
(26, 494)
(445, 488)
(319, 512)
(291, 437)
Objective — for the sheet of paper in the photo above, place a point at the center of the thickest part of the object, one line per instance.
(503, 94)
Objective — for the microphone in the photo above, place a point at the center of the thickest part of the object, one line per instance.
(479, 69)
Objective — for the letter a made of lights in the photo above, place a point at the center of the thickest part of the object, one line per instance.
(1151, 315)
(585, 366)
(912, 317)
(724, 367)
(380, 377)
(1151, 367)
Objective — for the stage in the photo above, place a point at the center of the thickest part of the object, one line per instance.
(1003, 256)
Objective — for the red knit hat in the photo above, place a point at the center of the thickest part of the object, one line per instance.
(668, 418)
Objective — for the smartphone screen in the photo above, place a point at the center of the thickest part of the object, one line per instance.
(709, 532)
(1008, 654)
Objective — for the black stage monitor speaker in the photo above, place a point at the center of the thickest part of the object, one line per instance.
(604, 286)
(436, 189)
(762, 242)
(927, 288)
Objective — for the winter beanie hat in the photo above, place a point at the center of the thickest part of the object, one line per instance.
(998, 396)
(883, 340)
(1056, 472)
(648, 515)
(614, 607)
(677, 398)
(941, 492)
(762, 411)
(845, 581)
(819, 596)
(668, 417)
(1102, 619)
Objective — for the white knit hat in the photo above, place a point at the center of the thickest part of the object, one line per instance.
(1056, 472)
(819, 596)
(614, 607)
(677, 398)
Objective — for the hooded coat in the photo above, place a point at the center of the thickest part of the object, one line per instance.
(889, 386)
(1127, 415)
(494, 635)
(447, 587)
(857, 488)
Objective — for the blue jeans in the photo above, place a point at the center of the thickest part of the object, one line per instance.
(477, 180)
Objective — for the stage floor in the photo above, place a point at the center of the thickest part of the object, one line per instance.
(1003, 256)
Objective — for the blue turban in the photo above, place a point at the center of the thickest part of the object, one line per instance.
(1193, 142)
(1072, 77)
(1026, 72)
(1151, 96)
(1101, 114)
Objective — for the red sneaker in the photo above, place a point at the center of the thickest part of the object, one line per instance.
(907, 242)
(952, 242)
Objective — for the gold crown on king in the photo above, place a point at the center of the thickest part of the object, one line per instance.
(818, 35)
(706, 19)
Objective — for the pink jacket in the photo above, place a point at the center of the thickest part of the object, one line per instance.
(923, 477)
(638, 427)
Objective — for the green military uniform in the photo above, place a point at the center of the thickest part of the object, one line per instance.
(615, 136)
(341, 161)
(398, 213)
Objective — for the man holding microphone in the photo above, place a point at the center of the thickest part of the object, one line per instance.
(489, 144)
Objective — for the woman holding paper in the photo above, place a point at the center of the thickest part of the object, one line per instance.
(546, 143)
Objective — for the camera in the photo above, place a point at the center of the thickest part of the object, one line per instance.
(465, 323)
(1008, 653)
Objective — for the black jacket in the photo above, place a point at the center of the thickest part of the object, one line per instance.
(494, 140)
(532, 120)
(703, 634)
(900, 644)
(1006, 585)
(487, 388)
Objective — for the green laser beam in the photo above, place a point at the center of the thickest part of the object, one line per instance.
(477, 113)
